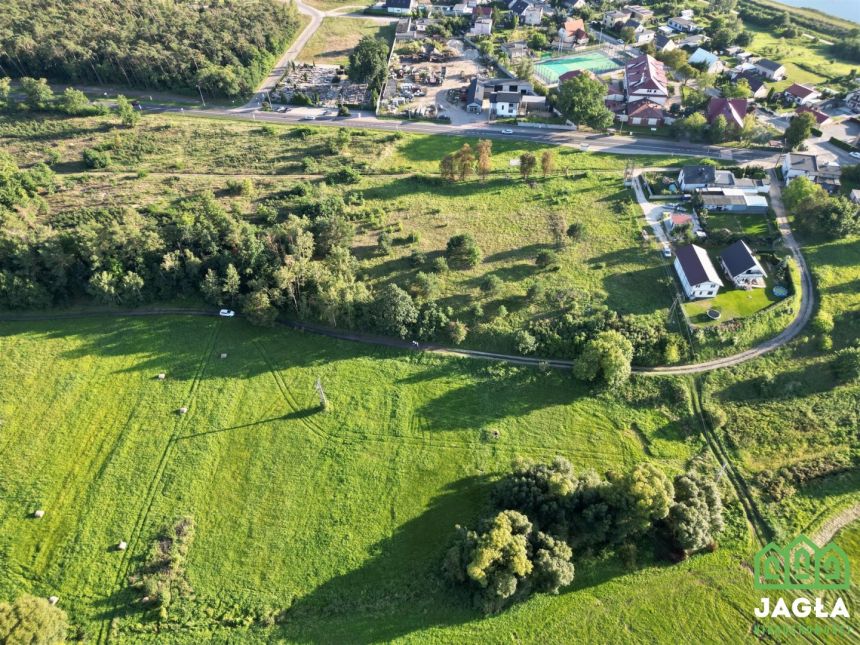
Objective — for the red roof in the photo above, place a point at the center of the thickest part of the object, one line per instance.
(574, 73)
(734, 110)
(679, 219)
(820, 116)
(800, 91)
(645, 72)
(574, 25)
(645, 110)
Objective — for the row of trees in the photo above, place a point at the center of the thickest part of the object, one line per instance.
(146, 43)
(461, 164)
(544, 512)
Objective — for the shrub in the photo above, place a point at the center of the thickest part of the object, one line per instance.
(463, 251)
(243, 187)
(525, 342)
(94, 158)
(491, 284)
(457, 331)
(546, 259)
(440, 265)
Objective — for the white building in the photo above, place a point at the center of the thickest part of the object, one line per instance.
(696, 272)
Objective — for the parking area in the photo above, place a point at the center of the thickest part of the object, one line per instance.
(326, 85)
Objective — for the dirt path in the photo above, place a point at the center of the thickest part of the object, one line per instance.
(832, 526)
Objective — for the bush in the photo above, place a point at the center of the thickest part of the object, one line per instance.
(243, 187)
(546, 259)
(491, 284)
(463, 251)
(440, 265)
(343, 175)
(457, 331)
(94, 158)
(525, 342)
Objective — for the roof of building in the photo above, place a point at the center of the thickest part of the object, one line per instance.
(645, 72)
(661, 40)
(574, 73)
(805, 163)
(855, 195)
(679, 219)
(738, 258)
(703, 56)
(520, 6)
(699, 174)
(684, 22)
(696, 265)
(399, 4)
(733, 110)
(633, 23)
(820, 117)
(572, 25)
(768, 64)
(505, 97)
(800, 91)
(756, 82)
(475, 93)
(645, 110)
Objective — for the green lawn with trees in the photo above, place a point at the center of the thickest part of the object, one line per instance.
(256, 516)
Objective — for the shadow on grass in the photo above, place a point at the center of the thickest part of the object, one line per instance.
(813, 378)
(399, 589)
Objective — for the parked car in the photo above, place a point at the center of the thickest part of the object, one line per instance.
(226, 313)
(507, 131)
(281, 109)
(309, 117)
(667, 250)
(856, 155)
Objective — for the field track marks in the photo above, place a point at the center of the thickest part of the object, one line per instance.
(135, 535)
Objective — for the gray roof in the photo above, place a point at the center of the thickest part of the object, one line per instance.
(807, 163)
(699, 174)
(475, 93)
(696, 264)
(738, 258)
(398, 4)
(768, 64)
(661, 41)
(505, 97)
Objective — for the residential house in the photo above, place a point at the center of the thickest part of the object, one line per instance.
(645, 78)
(769, 69)
(574, 73)
(508, 85)
(644, 37)
(742, 267)
(645, 113)
(734, 200)
(801, 94)
(400, 6)
(852, 100)
(827, 175)
(821, 118)
(693, 42)
(482, 27)
(475, 96)
(573, 32)
(756, 83)
(640, 13)
(514, 104)
(528, 13)
(688, 14)
(462, 9)
(576, 4)
(708, 61)
(498, 93)
(706, 178)
(696, 272)
(663, 43)
(612, 19)
(684, 25)
(673, 220)
(854, 196)
(733, 110)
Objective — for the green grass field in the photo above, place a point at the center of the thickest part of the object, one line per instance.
(337, 37)
(731, 303)
(341, 517)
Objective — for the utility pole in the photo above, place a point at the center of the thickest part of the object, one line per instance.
(202, 100)
(323, 400)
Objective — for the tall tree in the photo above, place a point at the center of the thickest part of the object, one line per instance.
(32, 620)
(799, 130)
(368, 61)
(527, 164)
(485, 152)
(547, 163)
(581, 100)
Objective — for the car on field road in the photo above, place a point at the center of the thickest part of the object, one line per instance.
(507, 131)
(226, 313)
(856, 155)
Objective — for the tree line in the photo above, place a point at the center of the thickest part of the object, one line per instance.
(223, 46)
(543, 513)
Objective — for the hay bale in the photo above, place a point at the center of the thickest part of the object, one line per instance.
(223, 354)
(38, 514)
(161, 376)
(183, 410)
(53, 600)
(122, 546)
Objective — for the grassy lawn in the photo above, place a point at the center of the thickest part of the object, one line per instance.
(336, 38)
(731, 303)
(805, 61)
(338, 520)
(331, 5)
(751, 224)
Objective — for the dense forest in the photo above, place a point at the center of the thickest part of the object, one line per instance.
(224, 46)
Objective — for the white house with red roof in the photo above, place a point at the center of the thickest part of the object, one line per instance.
(645, 79)
(801, 94)
(573, 32)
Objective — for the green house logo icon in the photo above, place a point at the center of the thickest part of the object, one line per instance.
(802, 565)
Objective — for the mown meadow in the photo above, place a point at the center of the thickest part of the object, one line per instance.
(318, 526)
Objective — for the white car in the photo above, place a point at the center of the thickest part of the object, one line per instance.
(667, 250)
(507, 131)
(856, 155)
(226, 313)
(309, 117)
(281, 110)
